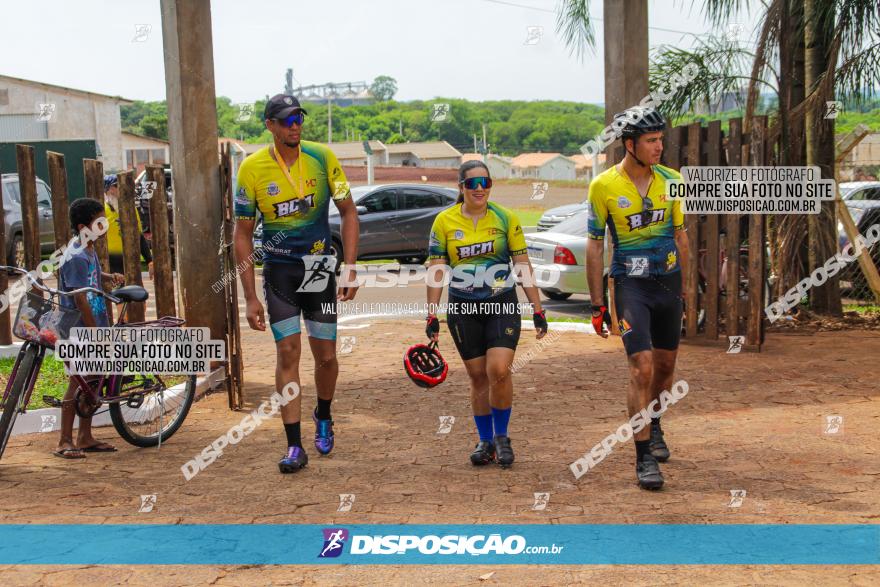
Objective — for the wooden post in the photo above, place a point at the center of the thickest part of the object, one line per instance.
(94, 174)
(131, 250)
(734, 159)
(672, 147)
(713, 242)
(30, 223)
(192, 130)
(60, 202)
(234, 365)
(163, 273)
(758, 156)
(5, 319)
(691, 222)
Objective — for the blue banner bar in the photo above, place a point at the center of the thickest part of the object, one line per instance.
(566, 544)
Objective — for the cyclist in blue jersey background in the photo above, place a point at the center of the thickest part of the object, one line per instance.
(292, 183)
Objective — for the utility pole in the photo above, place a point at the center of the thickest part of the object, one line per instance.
(475, 142)
(288, 82)
(400, 127)
(485, 147)
(198, 209)
(329, 119)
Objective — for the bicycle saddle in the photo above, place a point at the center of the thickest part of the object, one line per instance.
(130, 293)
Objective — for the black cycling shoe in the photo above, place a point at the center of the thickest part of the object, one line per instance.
(657, 445)
(504, 457)
(483, 454)
(648, 472)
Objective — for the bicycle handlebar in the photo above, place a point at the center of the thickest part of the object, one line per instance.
(54, 291)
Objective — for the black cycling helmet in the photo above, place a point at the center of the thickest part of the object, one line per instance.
(634, 122)
(424, 365)
(639, 121)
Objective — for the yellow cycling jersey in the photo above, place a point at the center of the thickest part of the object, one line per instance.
(294, 224)
(114, 232)
(478, 252)
(643, 235)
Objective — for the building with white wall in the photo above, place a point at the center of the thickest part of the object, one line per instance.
(352, 153)
(431, 154)
(31, 110)
(543, 166)
(139, 151)
(499, 167)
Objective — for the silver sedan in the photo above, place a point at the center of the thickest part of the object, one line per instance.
(559, 257)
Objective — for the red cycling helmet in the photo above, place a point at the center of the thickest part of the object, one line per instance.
(424, 365)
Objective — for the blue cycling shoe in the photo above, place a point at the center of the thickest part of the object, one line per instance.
(323, 434)
(295, 460)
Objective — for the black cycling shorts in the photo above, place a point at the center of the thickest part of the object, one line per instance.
(649, 311)
(291, 290)
(478, 325)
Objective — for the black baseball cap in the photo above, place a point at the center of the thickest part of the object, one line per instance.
(281, 106)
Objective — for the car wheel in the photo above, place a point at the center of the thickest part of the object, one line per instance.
(555, 295)
(16, 256)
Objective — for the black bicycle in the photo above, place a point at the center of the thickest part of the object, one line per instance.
(146, 409)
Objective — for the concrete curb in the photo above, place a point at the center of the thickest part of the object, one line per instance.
(49, 419)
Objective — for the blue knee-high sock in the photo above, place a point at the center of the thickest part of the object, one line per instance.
(484, 426)
(500, 418)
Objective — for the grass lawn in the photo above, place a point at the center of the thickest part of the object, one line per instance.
(51, 380)
(528, 216)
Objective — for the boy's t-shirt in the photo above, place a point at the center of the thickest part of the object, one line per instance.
(82, 269)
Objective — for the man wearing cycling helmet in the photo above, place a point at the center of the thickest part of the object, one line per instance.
(650, 247)
(114, 232)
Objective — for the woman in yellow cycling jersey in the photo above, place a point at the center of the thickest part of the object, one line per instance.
(478, 239)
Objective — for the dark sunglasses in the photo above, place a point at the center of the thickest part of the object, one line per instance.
(295, 118)
(472, 183)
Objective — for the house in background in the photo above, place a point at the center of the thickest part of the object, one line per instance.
(499, 167)
(140, 151)
(433, 154)
(543, 166)
(31, 110)
(583, 166)
(863, 162)
(353, 154)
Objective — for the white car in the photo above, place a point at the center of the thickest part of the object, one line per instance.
(561, 250)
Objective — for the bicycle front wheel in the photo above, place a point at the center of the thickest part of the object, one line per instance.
(16, 391)
(151, 407)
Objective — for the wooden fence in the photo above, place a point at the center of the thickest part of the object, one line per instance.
(725, 275)
(160, 230)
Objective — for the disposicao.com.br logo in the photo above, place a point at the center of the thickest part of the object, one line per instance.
(493, 544)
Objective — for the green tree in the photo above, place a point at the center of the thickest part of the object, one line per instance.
(383, 88)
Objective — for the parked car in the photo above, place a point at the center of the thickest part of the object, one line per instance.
(863, 202)
(395, 220)
(564, 249)
(13, 227)
(860, 197)
(554, 216)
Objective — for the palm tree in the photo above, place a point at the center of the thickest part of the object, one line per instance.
(807, 52)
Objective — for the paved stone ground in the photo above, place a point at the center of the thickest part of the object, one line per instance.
(751, 421)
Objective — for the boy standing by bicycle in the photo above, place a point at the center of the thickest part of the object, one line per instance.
(81, 268)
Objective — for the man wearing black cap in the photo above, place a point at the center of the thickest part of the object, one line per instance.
(291, 183)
